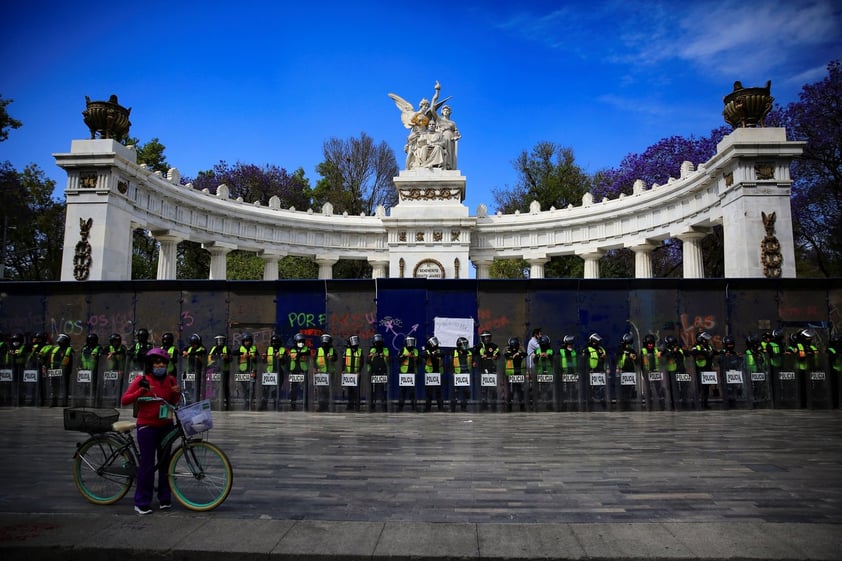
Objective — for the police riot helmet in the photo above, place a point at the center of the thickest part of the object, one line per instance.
(63, 340)
(326, 340)
(17, 339)
(628, 338)
(195, 339)
(116, 339)
(806, 335)
(649, 339)
(778, 334)
(703, 337)
(275, 341)
(514, 343)
(544, 341)
(247, 337)
(377, 340)
(670, 341)
(142, 335)
(793, 338)
(462, 343)
(220, 339)
(299, 340)
(594, 339)
(569, 339)
(433, 342)
(485, 337)
(752, 341)
(167, 340)
(39, 337)
(92, 340)
(410, 343)
(729, 342)
(354, 341)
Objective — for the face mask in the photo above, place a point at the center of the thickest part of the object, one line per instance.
(300, 344)
(159, 371)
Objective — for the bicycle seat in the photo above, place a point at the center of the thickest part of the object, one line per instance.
(124, 426)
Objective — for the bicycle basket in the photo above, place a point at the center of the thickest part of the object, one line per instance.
(85, 419)
(195, 418)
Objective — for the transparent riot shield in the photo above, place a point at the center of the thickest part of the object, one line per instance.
(787, 388)
(630, 390)
(215, 377)
(735, 386)
(597, 381)
(433, 391)
(516, 392)
(243, 383)
(297, 391)
(8, 387)
(111, 381)
(351, 383)
(57, 379)
(657, 388)
(320, 388)
(268, 388)
(760, 384)
(84, 381)
(710, 394)
(461, 378)
(32, 385)
(685, 393)
(489, 389)
(542, 392)
(192, 377)
(406, 390)
(819, 394)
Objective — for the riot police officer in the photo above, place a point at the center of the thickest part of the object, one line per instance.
(244, 378)
(486, 355)
(431, 355)
(89, 361)
(353, 364)
(59, 366)
(195, 355)
(168, 344)
(514, 370)
(219, 369)
(650, 367)
(378, 372)
(594, 357)
(834, 365)
(299, 368)
(275, 358)
(730, 359)
(325, 361)
(544, 366)
(568, 359)
(703, 355)
(754, 368)
(461, 364)
(627, 363)
(408, 364)
(137, 352)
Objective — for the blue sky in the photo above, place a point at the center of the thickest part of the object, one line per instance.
(269, 82)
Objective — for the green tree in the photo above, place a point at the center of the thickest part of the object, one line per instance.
(33, 224)
(549, 175)
(7, 121)
(357, 177)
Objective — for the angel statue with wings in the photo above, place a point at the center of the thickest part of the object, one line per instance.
(421, 135)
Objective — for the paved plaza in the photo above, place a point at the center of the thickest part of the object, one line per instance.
(703, 485)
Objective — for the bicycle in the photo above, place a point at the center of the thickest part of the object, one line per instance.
(105, 465)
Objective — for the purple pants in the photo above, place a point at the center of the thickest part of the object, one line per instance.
(149, 441)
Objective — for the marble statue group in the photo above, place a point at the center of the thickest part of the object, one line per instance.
(433, 136)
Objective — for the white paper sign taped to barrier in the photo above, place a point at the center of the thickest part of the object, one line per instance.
(447, 330)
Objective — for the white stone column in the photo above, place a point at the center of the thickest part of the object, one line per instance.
(694, 267)
(643, 260)
(270, 265)
(483, 267)
(167, 256)
(379, 268)
(591, 259)
(219, 260)
(326, 267)
(536, 267)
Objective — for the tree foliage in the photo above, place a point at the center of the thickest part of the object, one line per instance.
(257, 184)
(817, 175)
(357, 175)
(33, 224)
(150, 154)
(7, 121)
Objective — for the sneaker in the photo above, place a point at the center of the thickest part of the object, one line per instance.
(165, 506)
(142, 510)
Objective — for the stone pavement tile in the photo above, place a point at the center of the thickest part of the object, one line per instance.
(744, 540)
(629, 541)
(421, 541)
(528, 541)
(319, 539)
(45, 536)
(224, 539)
(810, 541)
(130, 537)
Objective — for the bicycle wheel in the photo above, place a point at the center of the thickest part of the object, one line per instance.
(200, 475)
(103, 469)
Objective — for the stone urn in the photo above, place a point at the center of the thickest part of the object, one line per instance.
(108, 119)
(747, 107)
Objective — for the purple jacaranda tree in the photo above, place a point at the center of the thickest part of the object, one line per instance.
(255, 183)
(816, 118)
